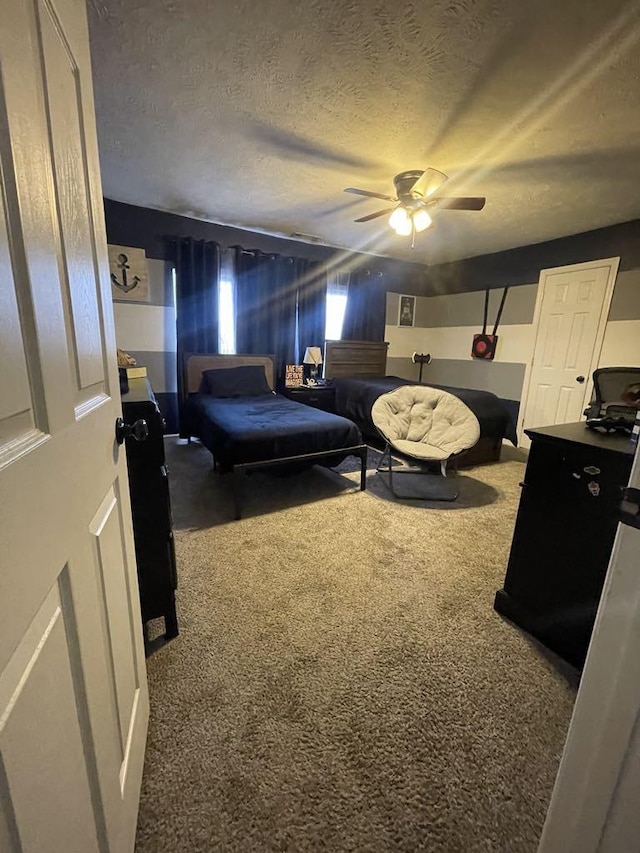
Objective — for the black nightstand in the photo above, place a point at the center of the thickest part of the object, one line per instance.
(318, 396)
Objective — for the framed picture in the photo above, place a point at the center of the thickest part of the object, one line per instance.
(407, 311)
(293, 375)
(129, 275)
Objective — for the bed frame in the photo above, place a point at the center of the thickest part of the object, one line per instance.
(195, 363)
(369, 358)
(193, 366)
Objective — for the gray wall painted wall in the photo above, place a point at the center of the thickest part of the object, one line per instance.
(136, 321)
(625, 303)
(462, 313)
(501, 378)
(466, 309)
(160, 285)
(127, 225)
(161, 368)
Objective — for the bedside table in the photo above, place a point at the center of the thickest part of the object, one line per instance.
(317, 396)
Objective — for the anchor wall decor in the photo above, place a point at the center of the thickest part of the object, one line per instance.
(129, 275)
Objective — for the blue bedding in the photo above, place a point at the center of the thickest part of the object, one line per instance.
(261, 428)
(355, 397)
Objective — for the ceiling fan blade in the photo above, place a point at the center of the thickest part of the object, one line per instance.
(356, 191)
(461, 203)
(374, 215)
(430, 181)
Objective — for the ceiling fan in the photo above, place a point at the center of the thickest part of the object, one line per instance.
(415, 197)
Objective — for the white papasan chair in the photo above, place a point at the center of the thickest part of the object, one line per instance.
(423, 426)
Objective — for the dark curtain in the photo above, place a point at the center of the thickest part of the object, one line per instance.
(364, 316)
(266, 295)
(311, 280)
(197, 278)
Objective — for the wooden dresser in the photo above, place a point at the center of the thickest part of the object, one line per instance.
(151, 509)
(564, 533)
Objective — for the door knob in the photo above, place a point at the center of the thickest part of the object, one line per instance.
(580, 379)
(138, 430)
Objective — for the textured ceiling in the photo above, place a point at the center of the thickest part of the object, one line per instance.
(258, 114)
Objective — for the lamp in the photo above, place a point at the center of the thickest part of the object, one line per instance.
(421, 220)
(313, 356)
(403, 221)
(400, 221)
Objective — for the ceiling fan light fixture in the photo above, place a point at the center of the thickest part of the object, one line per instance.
(421, 220)
(400, 221)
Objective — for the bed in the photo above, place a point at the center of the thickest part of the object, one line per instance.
(230, 405)
(357, 371)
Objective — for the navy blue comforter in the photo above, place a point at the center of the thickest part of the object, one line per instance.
(355, 397)
(257, 429)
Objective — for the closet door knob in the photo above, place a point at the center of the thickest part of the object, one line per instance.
(580, 379)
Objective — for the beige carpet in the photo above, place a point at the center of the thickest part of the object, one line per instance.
(341, 682)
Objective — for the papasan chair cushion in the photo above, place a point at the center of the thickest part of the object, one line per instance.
(425, 423)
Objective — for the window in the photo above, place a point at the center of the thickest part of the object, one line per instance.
(174, 285)
(226, 306)
(337, 287)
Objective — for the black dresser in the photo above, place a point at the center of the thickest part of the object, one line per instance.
(151, 508)
(564, 533)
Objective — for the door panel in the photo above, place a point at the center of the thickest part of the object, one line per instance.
(43, 773)
(119, 618)
(73, 693)
(16, 415)
(17, 409)
(64, 111)
(576, 343)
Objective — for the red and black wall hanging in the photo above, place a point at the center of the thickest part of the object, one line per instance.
(484, 345)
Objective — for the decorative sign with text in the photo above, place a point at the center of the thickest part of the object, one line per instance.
(293, 375)
(129, 275)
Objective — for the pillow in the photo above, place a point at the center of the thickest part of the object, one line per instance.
(247, 381)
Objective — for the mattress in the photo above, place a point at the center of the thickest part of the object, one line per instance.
(240, 430)
(355, 397)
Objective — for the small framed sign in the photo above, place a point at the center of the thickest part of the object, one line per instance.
(129, 275)
(293, 375)
(407, 311)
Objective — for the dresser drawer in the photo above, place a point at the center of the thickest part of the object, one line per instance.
(318, 398)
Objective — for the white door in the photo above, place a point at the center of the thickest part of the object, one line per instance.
(73, 694)
(594, 807)
(572, 313)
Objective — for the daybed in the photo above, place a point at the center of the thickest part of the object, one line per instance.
(231, 407)
(357, 371)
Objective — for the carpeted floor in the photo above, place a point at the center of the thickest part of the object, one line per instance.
(341, 681)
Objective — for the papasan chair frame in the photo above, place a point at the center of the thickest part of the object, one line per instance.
(423, 426)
